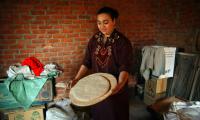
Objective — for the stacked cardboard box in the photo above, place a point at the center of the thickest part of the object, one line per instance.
(155, 89)
(34, 113)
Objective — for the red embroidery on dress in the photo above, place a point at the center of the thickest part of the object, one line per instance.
(102, 55)
(103, 51)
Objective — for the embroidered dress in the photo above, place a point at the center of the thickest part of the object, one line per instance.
(112, 56)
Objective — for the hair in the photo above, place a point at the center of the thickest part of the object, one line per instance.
(108, 10)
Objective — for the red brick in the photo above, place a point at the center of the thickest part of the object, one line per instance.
(40, 7)
(37, 41)
(18, 46)
(6, 42)
(26, 51)
(42, 18)
(39, 55)
(66, 12)
(13, 37)
(31, 46)
(74, 26)
(21, 55)
(49, 55)
(88, 25)
(80, 30)
(72, 35)
(46, 59)
(3, 47)
(26, 17)
(66, 21)
(57, 27)
(69, 48)
(59, 35)
(11, 51)
(52, 22)
(37, 12)
(31, 27)
(53, 31)
(30, 36)
(38, 22)
(84, 17)
(81, 39)
(53, 40)
(55, 50)
(85, 34)
(44, 36)
(70, 17)
(21, 21)
(9, 31)
(66, 40)
(60, 45)
(52, 12)
(79, 21)
(6, 57)
(67, 30)
(38, 31)
(78, 3)
(45, 27)
(22, 31)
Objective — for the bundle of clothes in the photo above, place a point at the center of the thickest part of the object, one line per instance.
(25, 80)
(31, 67)
(157, 61)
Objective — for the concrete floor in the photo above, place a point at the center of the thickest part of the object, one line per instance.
(137, 109)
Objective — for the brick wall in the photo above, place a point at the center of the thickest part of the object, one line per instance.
(58, 30)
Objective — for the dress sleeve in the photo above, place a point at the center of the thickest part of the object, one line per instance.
(125, 56)
(87, 61)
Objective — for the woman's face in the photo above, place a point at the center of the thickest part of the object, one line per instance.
(105, 23)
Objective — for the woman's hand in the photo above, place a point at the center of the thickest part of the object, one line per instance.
(81, 73)
(123, 78)
(116, 89)
(74, 81)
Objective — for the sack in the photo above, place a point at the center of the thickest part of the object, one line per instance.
(61, 111)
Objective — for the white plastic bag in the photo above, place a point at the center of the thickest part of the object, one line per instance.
(61, 111)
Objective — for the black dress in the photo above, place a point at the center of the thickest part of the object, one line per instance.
(111, 57)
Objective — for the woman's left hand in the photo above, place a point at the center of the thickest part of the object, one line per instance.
(116, 89)
(123, 78)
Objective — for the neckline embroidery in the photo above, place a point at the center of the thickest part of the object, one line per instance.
(113, 37)
(103, 51)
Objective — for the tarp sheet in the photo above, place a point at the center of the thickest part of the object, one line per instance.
(20, 92)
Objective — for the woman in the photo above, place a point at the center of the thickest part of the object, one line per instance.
(109, 51)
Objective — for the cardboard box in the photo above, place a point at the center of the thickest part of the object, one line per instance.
(154, 89)
(155, 86)
(34, 113)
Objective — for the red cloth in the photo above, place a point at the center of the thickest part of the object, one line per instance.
(34, 64)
